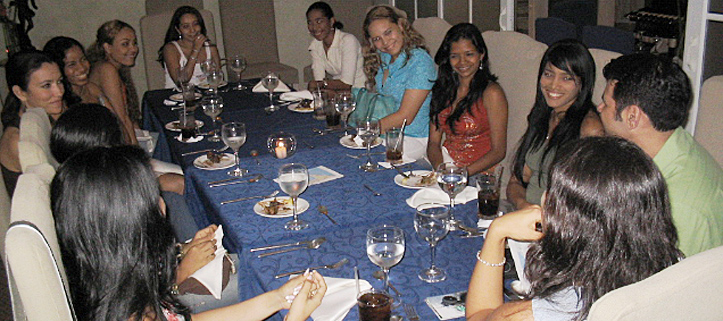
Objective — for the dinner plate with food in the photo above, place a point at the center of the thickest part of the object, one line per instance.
(351, 141)
(179, 97)
(416, 180)
(213, 161)
(175, 126)
(206, 86)
(278, 207)
(302, 107)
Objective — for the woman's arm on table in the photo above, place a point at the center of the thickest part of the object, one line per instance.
(411, 103)
(495, 102)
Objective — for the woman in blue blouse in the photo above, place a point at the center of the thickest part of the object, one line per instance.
(397, 64)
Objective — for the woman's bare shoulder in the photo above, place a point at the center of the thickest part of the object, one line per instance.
(494, 94)
(513, 311)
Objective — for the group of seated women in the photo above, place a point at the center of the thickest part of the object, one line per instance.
(596, 209)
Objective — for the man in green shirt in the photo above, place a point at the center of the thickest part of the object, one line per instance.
(646, 101)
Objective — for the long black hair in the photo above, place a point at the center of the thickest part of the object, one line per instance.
(444, 91)
(172, 34)
(574, 58)
(82, 127)
(326, 11)
(57, 48)
(113, 236)
(19, 68)
(606, 221)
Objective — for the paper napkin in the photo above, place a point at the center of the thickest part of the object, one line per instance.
(211, 274)
(340, 297)
(296, 95)
(434, 194)
(405, 160)
(320, 174)
(259, 88)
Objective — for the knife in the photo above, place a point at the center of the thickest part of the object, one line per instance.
(400, 171)
(252, 180)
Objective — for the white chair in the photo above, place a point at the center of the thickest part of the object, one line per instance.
(433, 29)
(34, 142)
(708, 131)
(602, 58)
(692, 289)
(4, 209)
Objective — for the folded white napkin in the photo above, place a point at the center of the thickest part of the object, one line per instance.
(405, 160)
(340, 297)
(190, 140)
(320, 174)
(518, 250)
(281, 88)
(211, 274)
(296, 95)
(169, 102)
(434, 194)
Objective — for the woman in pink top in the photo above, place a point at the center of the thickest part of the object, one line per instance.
(468, 106)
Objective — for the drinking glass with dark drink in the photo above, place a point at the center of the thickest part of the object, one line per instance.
(333, 117)
(488, 196)
(374, 305)
(395, 145)
(187, 124)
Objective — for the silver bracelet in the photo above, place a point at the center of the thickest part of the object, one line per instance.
(479, 258)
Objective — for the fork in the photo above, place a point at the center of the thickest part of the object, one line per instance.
(411, 312)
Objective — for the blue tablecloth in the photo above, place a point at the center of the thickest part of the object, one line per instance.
(348, 202)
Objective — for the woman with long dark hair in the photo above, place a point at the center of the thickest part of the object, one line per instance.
(604, 223)
(563, 111)
(333, 51)
(70, 56)
(186, 44)
(468, 106)
(119, 251)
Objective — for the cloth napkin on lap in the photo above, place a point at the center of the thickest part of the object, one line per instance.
(281, 88)
(434, 194)
(211, 274)
(340, 297)
(296, 95)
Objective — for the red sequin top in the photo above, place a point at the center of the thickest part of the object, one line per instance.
(472, 139)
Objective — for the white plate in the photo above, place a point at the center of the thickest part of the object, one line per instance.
(179, 97)
(206, 86)
(348, 142)
(287, 211)
(295, 108)
(190, 140)
(174, 125)
(203, 162)
(413, 182)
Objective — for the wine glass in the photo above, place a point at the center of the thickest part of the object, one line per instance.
(238, 65)
(270, 82)
(293, 180)
(234, 136)
(207, 66)
(214, 78)
(430, 222)
(182, 77)
(212, 107)
(368, 130)
(344, 104)
(385, 248)
(452, 179)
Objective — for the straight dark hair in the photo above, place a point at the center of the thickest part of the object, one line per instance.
(172, 34)
(116, 244)
(18, 70)
(84, 126)
(606, 221)
(57, 48)
(326, 11)
(444, 91)
(573, 57)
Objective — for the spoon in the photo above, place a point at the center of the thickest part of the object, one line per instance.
(314, 244)
(328, 266)
(254, 154)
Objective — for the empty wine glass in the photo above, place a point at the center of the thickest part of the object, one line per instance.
(452, 179)
(214, 78)
(212, 107)
(430, 222)
(238, 65)
(234, 136)
(369, 130)
(270, 82)
(344, 104)
(385, 248)
(293, 180)
(182, 77)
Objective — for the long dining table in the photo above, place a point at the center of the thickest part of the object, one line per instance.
(349, 203)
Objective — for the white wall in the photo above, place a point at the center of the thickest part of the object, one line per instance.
(291, 33)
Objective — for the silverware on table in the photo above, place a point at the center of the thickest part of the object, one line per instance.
(325, 211)
(375, 193)
(399, 170)
(328, 266)
(411, 312)
(271, 247)
(315, 244)
(238, 181)
(363, 155)
(205, 151)
(250, 198)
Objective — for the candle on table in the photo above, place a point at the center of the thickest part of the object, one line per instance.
(280, 150)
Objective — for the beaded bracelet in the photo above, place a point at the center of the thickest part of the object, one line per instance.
(479, 258)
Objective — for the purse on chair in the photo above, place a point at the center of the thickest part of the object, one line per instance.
(370, 104)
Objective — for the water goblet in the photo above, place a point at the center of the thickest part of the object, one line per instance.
(207, 66)
(270, 82)
(234, 136)
(369, 130)
(385, 248)
(430, 223)
(212, 107)
(214, 78)
(293, 180)
(345, 105)
(452, 179)
(238, 65)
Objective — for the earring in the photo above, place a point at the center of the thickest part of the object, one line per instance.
(481, 67)
(179, 37)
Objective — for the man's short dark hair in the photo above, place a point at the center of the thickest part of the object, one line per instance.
(654, 83)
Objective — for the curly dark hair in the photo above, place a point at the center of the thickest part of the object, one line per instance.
(654, 83)
(444, 91)
(606, 221)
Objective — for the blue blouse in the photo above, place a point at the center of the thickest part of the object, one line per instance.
(419, 72)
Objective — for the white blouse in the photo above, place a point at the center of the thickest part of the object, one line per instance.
(343, 60)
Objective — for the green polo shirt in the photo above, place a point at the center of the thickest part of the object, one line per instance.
(695, 186)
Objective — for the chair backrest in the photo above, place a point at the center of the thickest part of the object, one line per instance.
(608, 38)
(433, 29)
(153, 32)
(708, 131)
(551, 30)
(34, 143)
(688, 290)
(249, 28)
(602, 58)
(4, 209)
